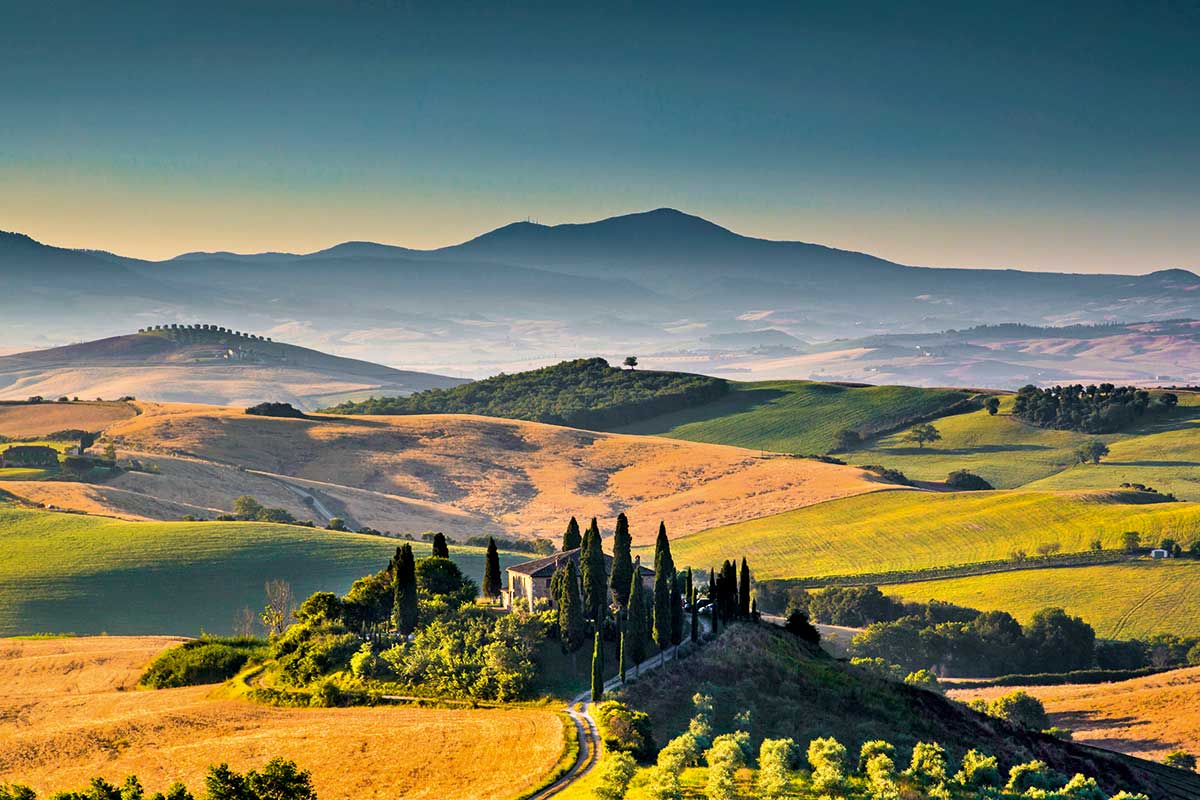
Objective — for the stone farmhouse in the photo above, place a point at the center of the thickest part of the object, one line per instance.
(530, 580)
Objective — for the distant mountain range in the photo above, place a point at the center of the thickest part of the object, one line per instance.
(203, 365)
(528, 294)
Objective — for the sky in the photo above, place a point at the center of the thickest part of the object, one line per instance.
(1029, 135)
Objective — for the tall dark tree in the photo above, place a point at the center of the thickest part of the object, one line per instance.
(622, 656)
(714, 598)
(595, 579)
(405, 604)
(635, 618)
(693, 601)
(598, 669)
(664, 578)
(744, 591)
(622, 564)
(571, 538)
(676, 611)
(491, 571)
(440, 548)
(572, 628)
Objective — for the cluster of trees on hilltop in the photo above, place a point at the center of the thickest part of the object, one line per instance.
(584, 393)
(1088, 409)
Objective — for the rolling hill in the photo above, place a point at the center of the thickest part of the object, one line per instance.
(195, 364)
(84, 574)
(913, 530)
(463, 475)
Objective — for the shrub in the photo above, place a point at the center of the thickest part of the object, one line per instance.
(928, 765)
(775, 757)
(924, 679)
(624, 730)
(873, 748)
(967, 481)
(882, 777)
(616, 770)
(1030, 775)
(979, 771)
(1021, 709)
(888, 474)
(276, 410)
(200, 661)
(1081, 788)
(1180, 760)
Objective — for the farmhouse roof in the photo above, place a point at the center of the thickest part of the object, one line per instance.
(544, 567)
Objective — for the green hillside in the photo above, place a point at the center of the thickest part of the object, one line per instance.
(906, 530)
(81, 574)
(799, 416)
(1159, 452)
(1136, 599)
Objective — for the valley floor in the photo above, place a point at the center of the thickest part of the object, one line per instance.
(69, 711)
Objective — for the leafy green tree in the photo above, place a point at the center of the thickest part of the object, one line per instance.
(491, 571)
(595, 580)
(664, 578)
(992, 404)
(924, 679)
(928, 766)
(774, 767)
(440, 548)
(1060, 643)
(979, 771)
(744, 591)
(724, 758)
(1093, 451)
(1021, 709)
(630, 361)
(872, 748)
(246, 507)
(846, 440)
(320, 607)
(882, 779)
(280, 779)
(616, 771)
(1131, 541)
(571, 537)
(923, 434)
(441, 577)
(336, 524)
(622, 561)
(598, 669)
(404, 609)
(1180, 759)
(827, 760)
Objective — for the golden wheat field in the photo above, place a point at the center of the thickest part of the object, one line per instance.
(69, 711)
(1144, 717)
(38, 419)
(460, 474)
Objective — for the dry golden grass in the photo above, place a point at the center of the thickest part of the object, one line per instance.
(68, 711)
(42, 418)
(1144, 717)
(465, 475)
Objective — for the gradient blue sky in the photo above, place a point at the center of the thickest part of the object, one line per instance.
(1040, 136)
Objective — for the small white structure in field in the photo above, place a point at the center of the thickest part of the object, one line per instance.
(1159, 553)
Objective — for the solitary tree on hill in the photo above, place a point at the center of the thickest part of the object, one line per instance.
(992, 404)
(595, 581)
(664, 577)
(846, 439)
(571, 537)
(1093, 451)
(491, 571)
(440, 548)
(404, 607)
(922, 434)
(622, 563)
(630, 361)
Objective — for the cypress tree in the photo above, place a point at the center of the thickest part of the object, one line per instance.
(676, 612)
(695, 612)
(595, 581)
(622, 656)
(491, 571)
(405, 605)
(744, 591)
(635, 618)
(664, 577)
(597, 669)
(440, 548)
(571, 538)
(622, 565)
(571, 626)
(731, 590)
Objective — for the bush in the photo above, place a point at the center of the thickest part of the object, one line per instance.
(967, 481)
(276, 410)
(200, 661)
(624, 730)
(1021, 709)
(827, 759)
(979, 771)
(888, 474)
(1180, 760)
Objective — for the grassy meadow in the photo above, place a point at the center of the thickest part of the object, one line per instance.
(1121, 601)
(908, 529)
(1161, 452)
(81, 574)
(796, 416)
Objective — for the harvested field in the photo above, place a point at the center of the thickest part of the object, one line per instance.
(38, 419)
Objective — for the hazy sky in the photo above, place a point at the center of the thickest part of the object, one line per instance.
(1039, 135)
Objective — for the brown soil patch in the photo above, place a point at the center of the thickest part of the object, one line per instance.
(68, 712)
